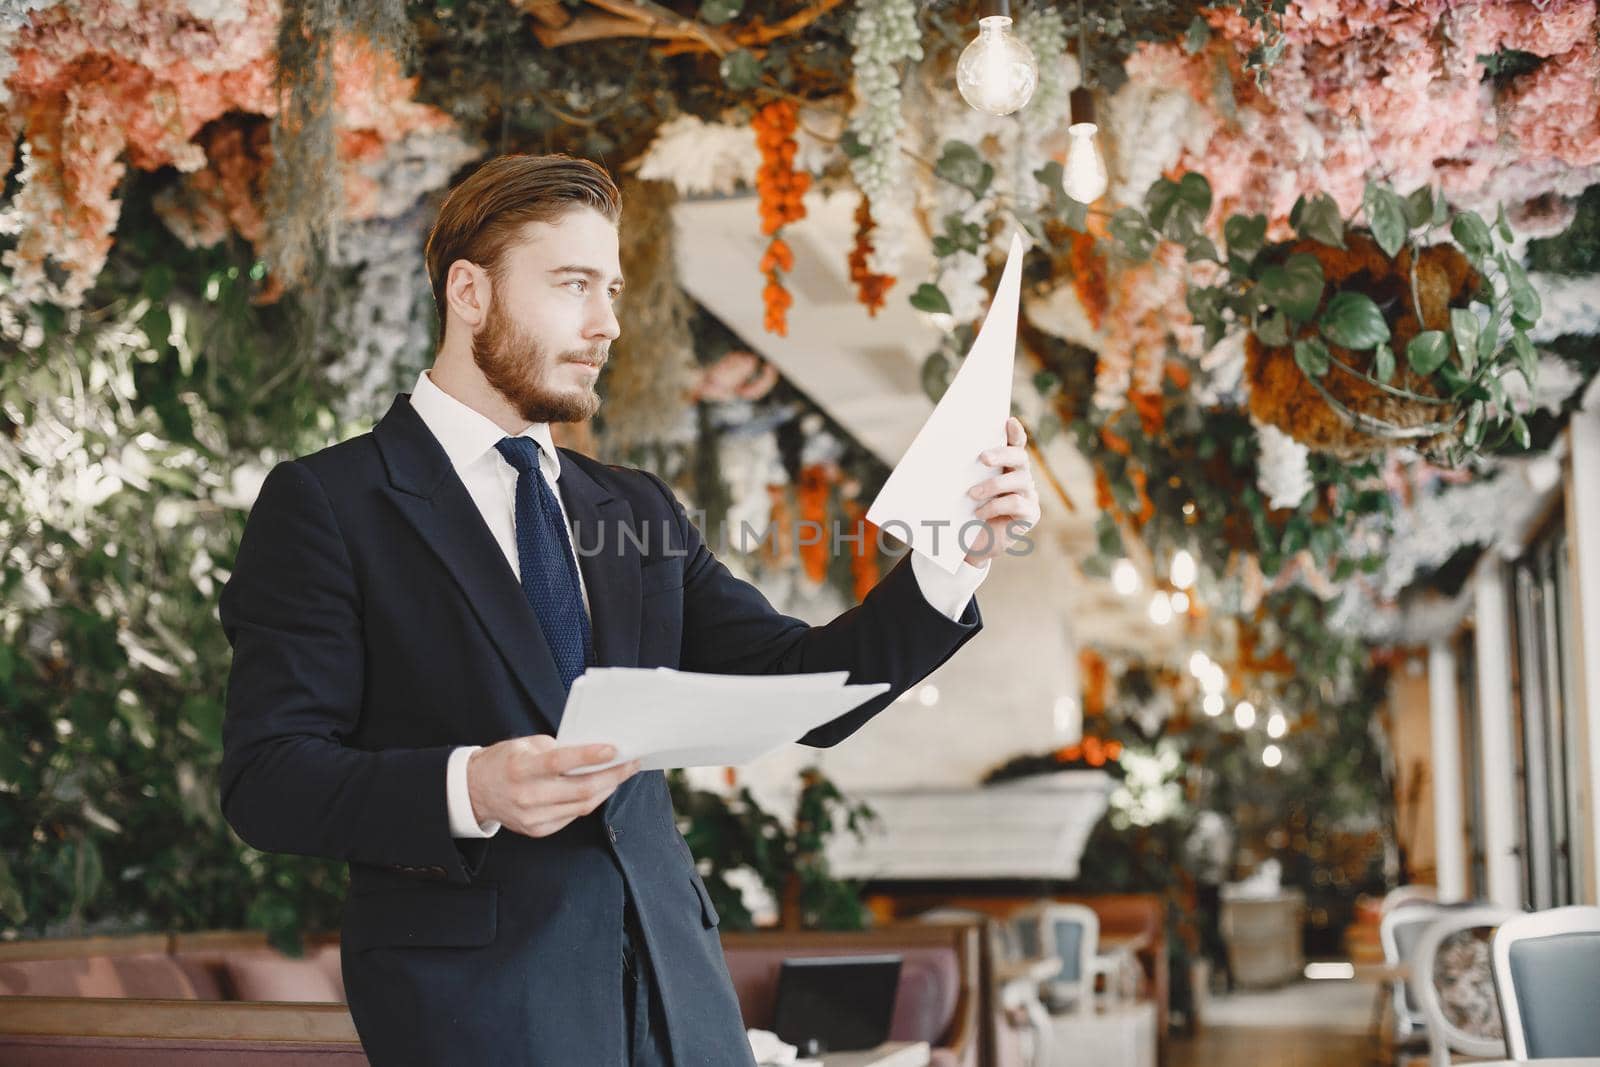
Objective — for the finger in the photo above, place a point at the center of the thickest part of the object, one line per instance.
(1011, 505)
(1015, 434)
(1010, 457)
(1010, 482)
(527, 754)
(562, 760)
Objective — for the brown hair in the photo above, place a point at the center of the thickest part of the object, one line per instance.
(481, 216)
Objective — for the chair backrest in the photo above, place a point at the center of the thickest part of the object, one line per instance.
(1400, 896)
(1453, 986)
(1546, 972)
(1398, 932)
(1070, 932)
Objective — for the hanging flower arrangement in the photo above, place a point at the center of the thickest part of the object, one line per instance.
(1358, 338)
(782, 190)
(885, 35)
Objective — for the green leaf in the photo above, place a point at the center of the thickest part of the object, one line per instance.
(1068, 210)
(1502, 227)
(1134, 238)
(1245, 234)
(1108, 537)
(1427, 351)
(1044, 381)
(1312, 357)
(936, 375)
(1353, 321)
(1047, 428)
(850, 144)
(1200, 248)
(960, 163)
(717, 12)
(1471, 233)
(1527, 358)
(1386, 215)
(741, 70)
(1317, 218)
(1519, 430)
(1525, 303)
(1464, 326)
(1273, 330)
(1196, 36)
(1294, 288)
(1419, 207)
(930, 298)
(1472, 435)
(1383, 363)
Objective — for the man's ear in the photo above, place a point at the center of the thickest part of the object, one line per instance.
(468, 294)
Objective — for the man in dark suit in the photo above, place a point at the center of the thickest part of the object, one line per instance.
(408, 610)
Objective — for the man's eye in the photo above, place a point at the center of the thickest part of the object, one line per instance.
(580, 284)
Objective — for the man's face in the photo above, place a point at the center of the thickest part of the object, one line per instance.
(550, 323)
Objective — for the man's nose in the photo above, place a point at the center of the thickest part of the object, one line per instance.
(603, 322)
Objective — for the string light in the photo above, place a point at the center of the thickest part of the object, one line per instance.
(1160, 609)
(1180, 603)
(928, 695)
(1084, 176)
(1277, 725)
(1244, 715)
(1213, 704)
(997, 72)
(1182, 571)
(1125, 577)
(1272, 755)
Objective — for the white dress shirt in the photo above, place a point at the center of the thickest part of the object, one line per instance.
(469, 438)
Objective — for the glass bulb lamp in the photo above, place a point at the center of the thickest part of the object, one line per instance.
(1084, 177)
(996, 72)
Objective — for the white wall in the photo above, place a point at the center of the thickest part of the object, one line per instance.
(998, 696)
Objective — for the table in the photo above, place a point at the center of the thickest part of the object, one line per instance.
(888, 1054)
(1117, 1035)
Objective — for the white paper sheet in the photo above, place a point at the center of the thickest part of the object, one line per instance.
(925, 501)
(666, 718)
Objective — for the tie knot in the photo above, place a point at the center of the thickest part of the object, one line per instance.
(521, 452)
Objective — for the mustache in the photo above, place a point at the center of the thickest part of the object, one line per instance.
(595, 357)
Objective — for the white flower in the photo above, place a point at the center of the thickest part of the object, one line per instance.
(1283, 472)
(701, 158)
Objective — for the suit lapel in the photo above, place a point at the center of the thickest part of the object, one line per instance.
(432, 499)
(609, 562)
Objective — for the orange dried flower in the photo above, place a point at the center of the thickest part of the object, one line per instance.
(781, 192)
(870, 287)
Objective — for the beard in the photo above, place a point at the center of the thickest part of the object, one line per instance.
(517, 367)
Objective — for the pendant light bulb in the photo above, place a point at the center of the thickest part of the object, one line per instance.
(996, 72)
(1084, 178)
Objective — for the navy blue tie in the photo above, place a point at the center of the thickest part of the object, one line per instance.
(549, 572)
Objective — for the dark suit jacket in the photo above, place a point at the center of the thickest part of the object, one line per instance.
(376, 626)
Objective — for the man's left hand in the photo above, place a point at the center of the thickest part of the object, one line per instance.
(1008, 503)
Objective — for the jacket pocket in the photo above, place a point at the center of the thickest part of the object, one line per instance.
(708, 911)
(421, 917)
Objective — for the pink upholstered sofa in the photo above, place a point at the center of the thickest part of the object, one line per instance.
(173, 1001)
(186, 1000)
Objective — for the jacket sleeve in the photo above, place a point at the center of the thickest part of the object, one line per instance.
(292, 612)
(894, 635)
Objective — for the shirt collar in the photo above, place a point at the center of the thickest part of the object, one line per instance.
(467, 435)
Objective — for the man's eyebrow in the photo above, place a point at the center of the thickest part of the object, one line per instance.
(587, 272)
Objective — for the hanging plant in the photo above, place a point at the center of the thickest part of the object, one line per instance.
(1358, 338)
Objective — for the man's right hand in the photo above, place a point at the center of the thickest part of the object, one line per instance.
(519, 784)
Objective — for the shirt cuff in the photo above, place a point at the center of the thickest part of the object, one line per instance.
(946, 593)
(462, 824)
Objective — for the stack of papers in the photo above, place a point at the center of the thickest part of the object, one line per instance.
(667, 719)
